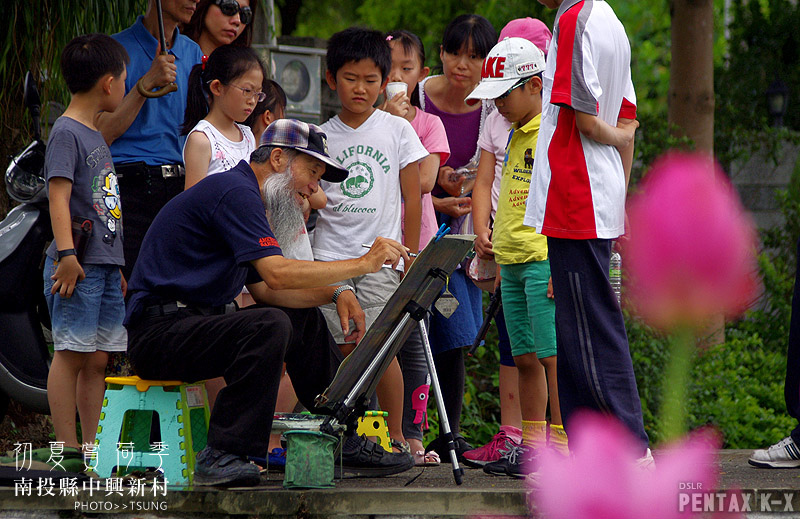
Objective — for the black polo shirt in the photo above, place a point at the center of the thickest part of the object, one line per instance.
(199, 247)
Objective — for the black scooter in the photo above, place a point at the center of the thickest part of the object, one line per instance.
(24, 235)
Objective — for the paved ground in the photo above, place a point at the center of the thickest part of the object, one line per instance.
(736, 473)
(418, 493)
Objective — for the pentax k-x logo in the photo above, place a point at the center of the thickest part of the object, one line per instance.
(268, 241)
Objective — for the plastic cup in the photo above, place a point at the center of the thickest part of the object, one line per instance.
(394, 88)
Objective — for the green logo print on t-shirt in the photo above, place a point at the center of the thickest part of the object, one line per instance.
(360, 180)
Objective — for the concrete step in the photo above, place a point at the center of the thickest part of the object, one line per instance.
(420, 493)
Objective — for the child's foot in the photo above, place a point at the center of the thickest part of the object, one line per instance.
(558, 440)
(426, 459)
(490, 452)
(646, 462)
(517, 460)
(525, 464)
(277, 458)
(783, 455)
(401, 446)
(461, 446)
(422, 458)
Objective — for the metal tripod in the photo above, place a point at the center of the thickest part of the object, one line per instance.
(417, 313)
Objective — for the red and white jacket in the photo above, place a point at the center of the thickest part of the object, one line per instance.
(578, 185)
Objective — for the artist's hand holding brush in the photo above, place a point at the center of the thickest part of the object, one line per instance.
(384, 251)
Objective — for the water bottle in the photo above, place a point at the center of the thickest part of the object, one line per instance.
(615, 275)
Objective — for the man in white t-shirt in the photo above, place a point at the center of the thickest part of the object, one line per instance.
(577, 200)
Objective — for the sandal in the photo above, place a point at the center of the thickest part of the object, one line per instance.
(426, 459)
(401, 446)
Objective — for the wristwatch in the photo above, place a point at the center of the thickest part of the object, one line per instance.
(339, 290)
(66, 252)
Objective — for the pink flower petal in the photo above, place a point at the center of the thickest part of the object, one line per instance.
(691, 253)
(602, 481)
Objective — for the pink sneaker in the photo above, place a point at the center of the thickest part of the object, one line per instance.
(477, 458)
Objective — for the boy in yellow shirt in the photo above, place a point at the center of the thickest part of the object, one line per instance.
(512, 77)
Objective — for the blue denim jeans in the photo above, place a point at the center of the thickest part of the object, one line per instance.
(91, 319)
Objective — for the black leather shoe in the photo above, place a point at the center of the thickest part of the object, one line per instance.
(439, 445)
(215, 467)
(366, 458)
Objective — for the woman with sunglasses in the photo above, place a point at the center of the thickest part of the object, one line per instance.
(221, 22)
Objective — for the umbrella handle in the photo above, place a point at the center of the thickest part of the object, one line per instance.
(166, 89)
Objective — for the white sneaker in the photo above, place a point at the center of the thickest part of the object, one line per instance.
(783, 455)
(646, 462)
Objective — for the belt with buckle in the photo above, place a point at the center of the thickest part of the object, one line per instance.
(132, 169)
(171, 307)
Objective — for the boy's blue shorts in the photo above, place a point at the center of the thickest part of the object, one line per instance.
(91, 319)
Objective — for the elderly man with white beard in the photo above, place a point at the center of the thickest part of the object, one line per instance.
(182, 324)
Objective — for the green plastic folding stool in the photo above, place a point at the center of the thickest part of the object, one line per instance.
(129, 408)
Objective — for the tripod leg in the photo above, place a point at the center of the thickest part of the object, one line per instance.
(444, 424)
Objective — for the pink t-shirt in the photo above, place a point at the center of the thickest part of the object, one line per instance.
(430, 131)
(494, 139)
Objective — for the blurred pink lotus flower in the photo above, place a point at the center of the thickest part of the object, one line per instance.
(601, 480)
(691, 253)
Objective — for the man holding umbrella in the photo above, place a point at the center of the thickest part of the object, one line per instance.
(144, 132)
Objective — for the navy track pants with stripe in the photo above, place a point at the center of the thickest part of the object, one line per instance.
(594, 361)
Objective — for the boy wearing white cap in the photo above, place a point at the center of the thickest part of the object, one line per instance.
(493, 141)
(512, 77)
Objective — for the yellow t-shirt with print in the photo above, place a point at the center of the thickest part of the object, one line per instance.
(512, 241)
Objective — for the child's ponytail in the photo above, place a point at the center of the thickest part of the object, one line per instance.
(196, 98)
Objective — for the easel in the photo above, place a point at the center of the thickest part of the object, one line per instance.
(418, 291)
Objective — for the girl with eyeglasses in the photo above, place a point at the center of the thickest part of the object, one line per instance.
(223, 90)
(222, 22)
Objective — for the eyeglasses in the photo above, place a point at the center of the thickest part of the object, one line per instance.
(231, 7)
(508, 92)
(249, 93)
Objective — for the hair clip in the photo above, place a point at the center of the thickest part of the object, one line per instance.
(389, 38)
(204, 60)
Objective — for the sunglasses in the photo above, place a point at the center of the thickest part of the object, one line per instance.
(231, 8)
(519, 84)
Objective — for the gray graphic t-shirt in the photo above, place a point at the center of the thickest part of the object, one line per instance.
(80, 154)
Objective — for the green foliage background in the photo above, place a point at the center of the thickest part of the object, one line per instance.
(35, 34)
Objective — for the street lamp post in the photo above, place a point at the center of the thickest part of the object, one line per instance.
(777, 101)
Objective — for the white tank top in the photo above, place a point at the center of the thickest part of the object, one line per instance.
(225, 153)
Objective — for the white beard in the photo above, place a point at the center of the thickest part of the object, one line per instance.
(284, 214)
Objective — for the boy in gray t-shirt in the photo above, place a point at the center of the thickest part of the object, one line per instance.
(84, 294)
